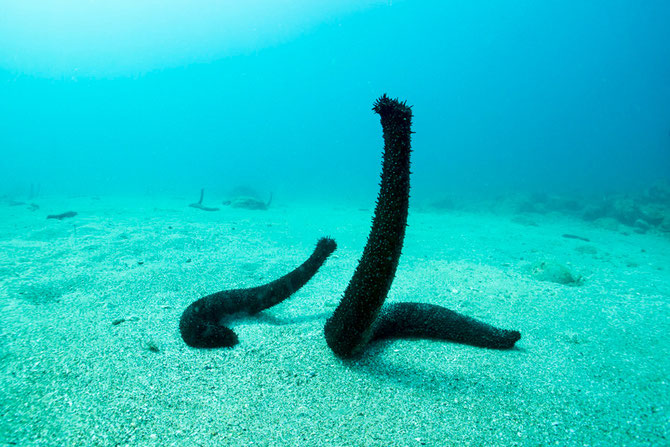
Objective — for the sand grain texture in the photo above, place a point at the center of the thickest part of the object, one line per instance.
(592, 368)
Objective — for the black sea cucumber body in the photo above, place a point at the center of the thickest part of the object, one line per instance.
(349, 328)
(62, 215)
(360, 316)
(200, 324)
(423, 320)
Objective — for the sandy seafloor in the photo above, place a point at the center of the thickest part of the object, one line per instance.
(592, 367)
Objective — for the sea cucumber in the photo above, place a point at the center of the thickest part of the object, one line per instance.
(423, 320)
(200, 324)
(348, 329)
(360, 317)
(62, 215)
(199, 204)
(574, 236)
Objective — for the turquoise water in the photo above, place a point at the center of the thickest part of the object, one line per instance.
(174, 96)
(540, 203)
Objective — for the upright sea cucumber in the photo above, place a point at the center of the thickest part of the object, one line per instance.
(349, 328)
(200, 324)
(199, 204)
(360, 317)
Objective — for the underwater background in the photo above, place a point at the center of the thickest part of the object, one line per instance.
(153, 153)
(132, 98)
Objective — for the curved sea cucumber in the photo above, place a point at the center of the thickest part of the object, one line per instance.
(358, 319)
(200, 325)
(199, 204)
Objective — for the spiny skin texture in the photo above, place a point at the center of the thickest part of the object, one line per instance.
(423, 320)
(358, 319)
(348, 329)
(200, 323)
